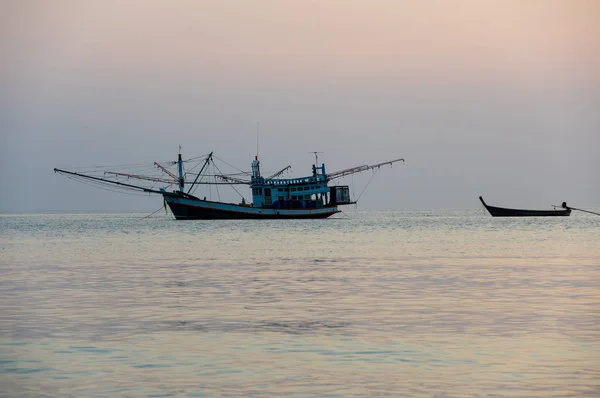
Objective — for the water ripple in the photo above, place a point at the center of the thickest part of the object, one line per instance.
(415, 304)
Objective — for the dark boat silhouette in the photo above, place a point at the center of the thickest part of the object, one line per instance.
(504, 212)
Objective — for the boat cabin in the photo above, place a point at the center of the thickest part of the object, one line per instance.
(296, 193)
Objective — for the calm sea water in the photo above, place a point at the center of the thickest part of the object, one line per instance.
(416, 304)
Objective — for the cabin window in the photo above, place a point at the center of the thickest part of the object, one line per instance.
(280, 198)
(307, 197)
(293, 189)
(268, 191)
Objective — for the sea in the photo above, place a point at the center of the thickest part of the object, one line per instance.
(436, 303)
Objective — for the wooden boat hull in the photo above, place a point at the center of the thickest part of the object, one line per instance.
(197, 209)
(504, 212)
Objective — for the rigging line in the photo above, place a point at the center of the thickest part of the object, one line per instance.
(354, 195)
(196, 158)
(192, 191)
(116, 165)
(137, 170)
(190, 171)
(230, 165)
(210, 187)
(231, 185)
(203, 160)
(364, 189)
(216, 185)
(104, 187)
(195, 187)
(167, 162)
(244, 173)
(201, 174)
(125, 191)
(105, 181)
(345, 215)
(238, 192)
(151, 214)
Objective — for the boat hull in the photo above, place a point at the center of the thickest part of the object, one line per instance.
(196, 209)
(504, 212)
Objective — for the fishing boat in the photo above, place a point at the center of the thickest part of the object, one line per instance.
(272, 197)
(504, 212)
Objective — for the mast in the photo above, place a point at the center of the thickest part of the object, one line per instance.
(200, 172)
(255, 168)
(317, 157)
(180, 170)
(316, 153)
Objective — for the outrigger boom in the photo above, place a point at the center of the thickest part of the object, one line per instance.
(103, 180)
(359, 169)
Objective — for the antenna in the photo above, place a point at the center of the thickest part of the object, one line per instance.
(316, 157)
(257, 130)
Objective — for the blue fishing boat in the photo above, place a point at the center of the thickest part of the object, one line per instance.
(272, 197)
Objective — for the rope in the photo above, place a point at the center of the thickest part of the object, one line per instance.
(203, 157)
(585, 211)
(150, 215)
(345, 215)
(230, 184)
(564, 206)
(216, 185)
(364, 189)
(230, 165)
(105, 187)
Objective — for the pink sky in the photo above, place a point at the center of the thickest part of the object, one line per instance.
(508, 41)
(475, 94)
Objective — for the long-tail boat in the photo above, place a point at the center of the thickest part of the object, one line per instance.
(504, 212)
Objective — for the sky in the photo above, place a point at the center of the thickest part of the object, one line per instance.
(481, 97)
